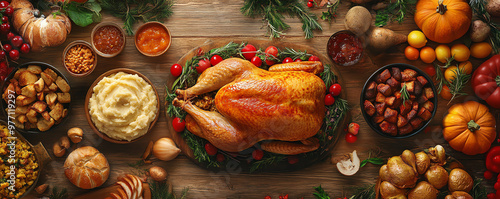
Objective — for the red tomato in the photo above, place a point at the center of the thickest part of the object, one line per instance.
(287, 60)
(268, 197)
(491, 196)
(176, 70)
(4, 4)
(215, 60)
(211, 149)
(486, 81)
(297, 60)
(310, 4)
(335, 89)
(497, 186)
(350, 138)
(271, 50)
(257, 154)
(249, 51)
(488, 175)
(14, 55)
(25, 48)
(329, 100)
(178, 124)
(256, 61)
(293, 159)
(220, 158)
(430, 70)
(314, 58)
(203, 65)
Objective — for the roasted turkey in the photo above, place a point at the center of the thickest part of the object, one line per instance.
(284, 105)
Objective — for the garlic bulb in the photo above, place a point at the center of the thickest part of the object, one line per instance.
(165, 149)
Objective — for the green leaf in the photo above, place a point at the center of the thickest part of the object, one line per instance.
(80, 15)
(376, 161)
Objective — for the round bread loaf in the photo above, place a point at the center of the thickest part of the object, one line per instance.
(86, 167)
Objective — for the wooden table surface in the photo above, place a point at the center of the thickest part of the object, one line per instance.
(192, 24)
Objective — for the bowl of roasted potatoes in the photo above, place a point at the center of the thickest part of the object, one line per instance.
(398, 100)
(36, 97)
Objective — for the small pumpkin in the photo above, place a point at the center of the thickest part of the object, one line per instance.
(469, 127)
(443, 21)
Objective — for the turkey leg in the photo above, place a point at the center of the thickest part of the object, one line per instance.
(213, 127)
(290, 148)
(314, 67)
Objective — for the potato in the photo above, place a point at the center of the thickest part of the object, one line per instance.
(380, 98)
(428, 105)
(422, 80)
(39, 106)
(371, 90)
(412, 114)
(39, 85)
(389, 128)
(391, 115)
(393, 83)
(384, 89)
(380, 107)
(408, 75)
(34, 69)
(416, 123)
(44, 125)
(479, 31)
(51, 73)
(358, 20)
(29, 91)
(46, 78)
(396, 73)
(57, 111)
(27, 78)
(493, 8)
(380, 39)
(51, 98)
(63, 98)
(384, 76)
(405, 129)
(62, 84)
(402, 121)
(32, 116)
(22, 100)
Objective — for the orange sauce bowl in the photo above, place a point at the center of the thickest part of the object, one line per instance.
(152, 39)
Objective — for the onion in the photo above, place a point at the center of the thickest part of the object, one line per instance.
(165, 149)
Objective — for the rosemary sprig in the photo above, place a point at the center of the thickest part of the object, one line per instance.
(404, 94)
(272, 12)
(328, 76)
(478, 190)
(198, 145)
(268, 160)
(458, 84)
(367, 192)
(331, 12)
(56, 194)
(162, 190)
(131, 11)
(396, 11)
(479, 9)
(440, 80)
(294, 54)
(320, 193)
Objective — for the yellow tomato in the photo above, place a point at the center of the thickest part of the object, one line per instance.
(427, 55)
(443, 53)
(480, 50)
(411, 53)
(450, 72)
(461, 52)
(445, 93)
(417, 39)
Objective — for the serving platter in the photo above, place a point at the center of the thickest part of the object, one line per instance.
(243, 159)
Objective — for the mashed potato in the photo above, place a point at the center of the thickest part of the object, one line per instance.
(123, 106)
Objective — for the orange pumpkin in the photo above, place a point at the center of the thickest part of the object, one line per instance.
(443, 21)
(469, 127)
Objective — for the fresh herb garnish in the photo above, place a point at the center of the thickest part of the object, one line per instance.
(83, 14)
(376, 161)
(331, 13)
(56, 194)
(163, 190)
(404, 94)
(294, 54)
(273, 12)
(131, 11)
(458, 84)
(440, 80)
(367, 192)
(320, 193)
(396, 11)
(268, 160)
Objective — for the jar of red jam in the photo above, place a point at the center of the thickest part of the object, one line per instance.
(345, 48)
(108, 39)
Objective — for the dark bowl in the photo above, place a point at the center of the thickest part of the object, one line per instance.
(43, 65)
(402, 66)
(330, 50)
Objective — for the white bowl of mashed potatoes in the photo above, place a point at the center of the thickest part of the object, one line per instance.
(122, 105)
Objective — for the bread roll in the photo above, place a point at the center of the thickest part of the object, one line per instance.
(86, 167)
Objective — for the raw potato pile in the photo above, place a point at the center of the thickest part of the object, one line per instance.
(40, 97)
(422, 175)
(384, 101)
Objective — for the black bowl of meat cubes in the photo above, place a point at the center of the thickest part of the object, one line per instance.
(398, 100)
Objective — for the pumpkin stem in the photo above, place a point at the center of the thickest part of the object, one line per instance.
(497, 79)
(441, 8)
(473, 126)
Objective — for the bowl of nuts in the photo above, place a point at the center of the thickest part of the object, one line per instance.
(79, 58)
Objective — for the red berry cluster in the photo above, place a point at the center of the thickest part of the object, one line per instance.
(310, 3)
(12, 45)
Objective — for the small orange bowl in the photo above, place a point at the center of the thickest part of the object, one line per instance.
(67, 52)
(107, 26)
(153, 39)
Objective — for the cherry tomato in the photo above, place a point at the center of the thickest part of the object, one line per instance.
(215, 60)
(297, 60)
(178, 124)
(445, 93)
(5, 28)
(350, 138)
(176, 70)
(4, 4)
(488, 175)
(9, 10)
(268, 197)
(25, 48)
(220, 158)
(249, 51)
(430, 70)
(203, 65)
(200, 52)
(329, 99)
(10, 35)
(14, 55)
(310, 4)
(497, 186)
(314, 58)
(210, 148)
(293, 159)
(335, 89)
(5, 19)
(271, 50)
(17, 41)
(287, 60)
(7, 47)
(491, 196)
(256, 61)
(496, 160)
(257, 154)
(480, 50)
(285, 196)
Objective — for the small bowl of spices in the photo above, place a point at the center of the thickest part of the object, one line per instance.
(152, 39)
(79, 58)
(108, 39)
